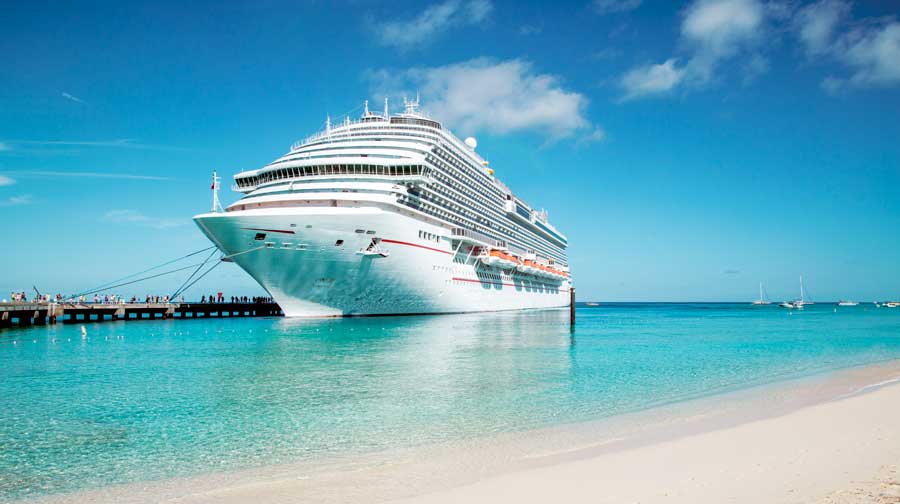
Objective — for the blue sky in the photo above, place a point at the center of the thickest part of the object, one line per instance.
(689, 150)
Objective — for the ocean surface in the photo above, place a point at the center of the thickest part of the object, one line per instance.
(150, 400)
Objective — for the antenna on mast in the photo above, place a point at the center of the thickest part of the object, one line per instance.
(411, 106)
(327, 124)
(366, 113)
(216, 206)
(385, 108)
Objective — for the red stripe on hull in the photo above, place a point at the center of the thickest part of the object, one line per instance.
(385, 240)
(270, 230)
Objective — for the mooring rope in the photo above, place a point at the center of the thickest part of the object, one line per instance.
(180, 290)
(108, 285)
(201, 276)
(220, 261)
(135, 281)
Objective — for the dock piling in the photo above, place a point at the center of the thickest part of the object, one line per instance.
(572, 307)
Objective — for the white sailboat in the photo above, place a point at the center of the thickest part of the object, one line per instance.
(798, 304)
(802, 301)
(762, 299)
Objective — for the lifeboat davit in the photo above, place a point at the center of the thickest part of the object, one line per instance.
(499, 259)
(530, 267)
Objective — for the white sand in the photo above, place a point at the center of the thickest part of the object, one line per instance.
(841, 451)
(832, 439)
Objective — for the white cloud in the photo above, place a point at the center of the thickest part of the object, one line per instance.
(431, 22)
(712, 32)
(870, 48)
(717, 30)
(651, 80)
(816, 24)
(611, 6)
(24, 199)
(4, 181)
(598, 135)
(72, 98)
(135, 217)
(874, 55)
(487, 95)
(81, 174)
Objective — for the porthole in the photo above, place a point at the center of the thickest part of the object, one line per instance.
(338, 243)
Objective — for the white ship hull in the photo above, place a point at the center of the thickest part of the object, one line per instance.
(300, 263)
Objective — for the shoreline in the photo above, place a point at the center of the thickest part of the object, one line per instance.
(511, 462)
(845, 450)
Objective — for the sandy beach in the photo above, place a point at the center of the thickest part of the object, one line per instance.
(844, 451)
(825, 439)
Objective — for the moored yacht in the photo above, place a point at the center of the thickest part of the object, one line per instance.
(762, 299)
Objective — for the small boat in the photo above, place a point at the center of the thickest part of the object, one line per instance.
(800, 303)
(847, 303)
(762, 301)
(592, 304)
(792, 305)
(891, 304)
(499, 258)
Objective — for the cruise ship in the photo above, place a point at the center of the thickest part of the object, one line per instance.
(389, 214)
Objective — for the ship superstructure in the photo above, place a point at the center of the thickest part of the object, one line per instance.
(390, 214)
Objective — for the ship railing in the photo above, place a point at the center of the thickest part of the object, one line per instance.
(476, 238)
(337, 128)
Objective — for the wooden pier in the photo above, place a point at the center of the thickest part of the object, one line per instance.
(27, 314)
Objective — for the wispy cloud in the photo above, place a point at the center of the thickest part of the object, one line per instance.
(869, 48)
(72, 98)
(731, 272)
(432, 22)
(598, 135)
(535, 29)
(24, 199)
(124, 143)
(495, 96)
(613, 6)
(816, 24)
(4, 181)
(129, 216)
(83, 174)
(651, 79)
(713, 31)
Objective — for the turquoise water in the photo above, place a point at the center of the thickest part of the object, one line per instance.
(156, 399)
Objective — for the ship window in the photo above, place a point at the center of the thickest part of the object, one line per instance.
(370, 232)
(338, 243)
(360, 231)
(260, 236)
